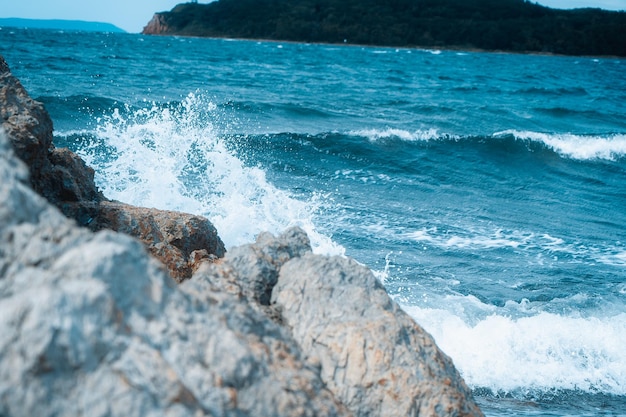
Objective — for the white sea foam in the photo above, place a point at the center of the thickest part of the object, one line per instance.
(609, 254)
(540, 352)
(418, 135)
(617, 258)
(582, 147)
(172, 158)
(475, 240)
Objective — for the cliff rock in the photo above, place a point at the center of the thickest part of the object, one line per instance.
(156, 26)
(66, 181)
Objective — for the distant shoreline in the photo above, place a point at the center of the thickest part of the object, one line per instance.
(514, 26)
(412, 47)
(59, 24)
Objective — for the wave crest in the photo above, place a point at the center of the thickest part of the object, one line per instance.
(540, 353)
(580, 147)
(172, 157)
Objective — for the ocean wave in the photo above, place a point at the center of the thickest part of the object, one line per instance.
(540, 353)
(568, 145)
(581, 147)
(499, 239)
(489, 240)
(171, 157)
(86, 104)
(405, 135)
(559, 92)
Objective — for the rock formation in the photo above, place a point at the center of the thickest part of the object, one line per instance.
(64, 180)
(156, 26)
(372, 356)
(90, 324)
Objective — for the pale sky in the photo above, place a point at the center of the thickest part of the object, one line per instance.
(133, 15)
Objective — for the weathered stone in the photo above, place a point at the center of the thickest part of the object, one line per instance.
(91, 325)
(372, 355)
(169, 236)
(156, 26)
(255, 267)
(67, 182)
(71, 179)
(26, 123)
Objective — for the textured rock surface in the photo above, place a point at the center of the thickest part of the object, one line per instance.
(170, 236)
(254, 268)
(156, 26)
(63, 179)
(373, 356)
(91, 325)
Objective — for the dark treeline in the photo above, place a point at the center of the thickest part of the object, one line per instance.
(507, 25)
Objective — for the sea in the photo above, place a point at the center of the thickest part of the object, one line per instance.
(487, 191)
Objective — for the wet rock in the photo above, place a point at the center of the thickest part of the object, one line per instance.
(170, 236)
(26, 123)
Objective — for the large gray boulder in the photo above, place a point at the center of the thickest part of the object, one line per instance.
(372, 355)
(92, 325)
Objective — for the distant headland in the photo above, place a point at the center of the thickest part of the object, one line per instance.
(492, 25)
(73, 25)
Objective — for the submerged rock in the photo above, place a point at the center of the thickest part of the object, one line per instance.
(64, 179)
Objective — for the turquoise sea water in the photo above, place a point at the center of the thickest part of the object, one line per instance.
(487, 191)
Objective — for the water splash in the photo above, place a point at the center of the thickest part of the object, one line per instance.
(172, 157)
(541, 352)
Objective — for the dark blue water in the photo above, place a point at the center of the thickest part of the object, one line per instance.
(487, 191)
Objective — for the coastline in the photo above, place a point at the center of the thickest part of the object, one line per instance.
(516, 27)
(407, 47)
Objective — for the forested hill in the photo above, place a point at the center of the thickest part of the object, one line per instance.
(506, 25)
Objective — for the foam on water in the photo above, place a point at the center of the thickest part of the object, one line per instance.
(581, 147)
(173, 158)
(608, 253)
(418, 135)
(541, 352)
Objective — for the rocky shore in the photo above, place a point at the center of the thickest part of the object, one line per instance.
(112, 310)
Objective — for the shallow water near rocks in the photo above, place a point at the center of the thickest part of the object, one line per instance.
(487, 191)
